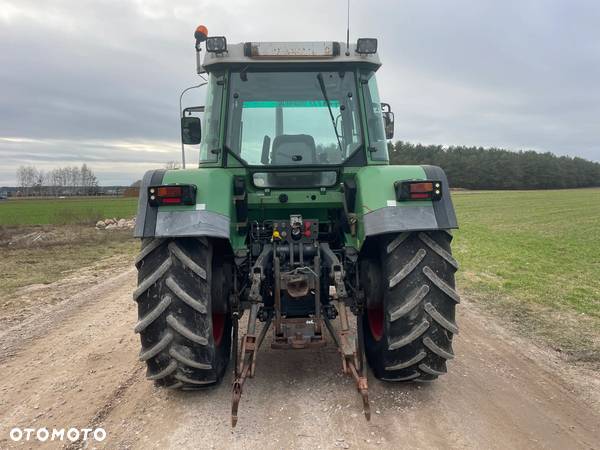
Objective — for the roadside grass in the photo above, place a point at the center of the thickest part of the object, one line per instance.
(45, 254)
(533, 257)
(45, 240)
(65, 211)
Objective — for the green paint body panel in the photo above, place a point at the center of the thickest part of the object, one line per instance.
(297, 199)
(375, 187)
(215, 188)
(215, 193)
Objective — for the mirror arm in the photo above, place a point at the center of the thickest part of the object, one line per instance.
(181, 115)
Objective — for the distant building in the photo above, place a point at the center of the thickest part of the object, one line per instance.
(132, 191)
(6, 192)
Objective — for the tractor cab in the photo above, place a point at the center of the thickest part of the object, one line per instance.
(307, 106)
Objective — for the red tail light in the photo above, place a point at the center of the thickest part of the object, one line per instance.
(180, 194)
(418, 190)
(172, 200)
(421, 187)
(169, 191)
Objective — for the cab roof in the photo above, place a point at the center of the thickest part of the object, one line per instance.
(261, 53)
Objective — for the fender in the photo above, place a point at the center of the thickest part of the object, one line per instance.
(210, 216)
(378, 212)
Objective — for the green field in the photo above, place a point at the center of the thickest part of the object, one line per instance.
(534, 258)
(531, 257)
(65, 211)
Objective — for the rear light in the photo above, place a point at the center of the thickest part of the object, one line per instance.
(174, 194)
(172, 200)
(168, 191)
(418, 190)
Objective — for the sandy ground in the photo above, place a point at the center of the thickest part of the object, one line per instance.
(74, 364)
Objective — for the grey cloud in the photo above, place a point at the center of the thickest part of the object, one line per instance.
(90, 74)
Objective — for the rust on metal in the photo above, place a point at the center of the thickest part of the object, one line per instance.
(298, 333)
(352, 354)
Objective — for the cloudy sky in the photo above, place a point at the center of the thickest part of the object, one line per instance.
(97, 81)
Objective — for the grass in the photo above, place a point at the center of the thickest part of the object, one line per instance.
(55, 211)
(44, 240)
(533, 257)
(60, 251)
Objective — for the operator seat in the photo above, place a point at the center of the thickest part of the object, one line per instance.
(293, 149)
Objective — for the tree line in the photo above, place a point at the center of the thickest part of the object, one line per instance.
(60, 181)
(494, 168)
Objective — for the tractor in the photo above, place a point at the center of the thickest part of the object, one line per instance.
(295, 218)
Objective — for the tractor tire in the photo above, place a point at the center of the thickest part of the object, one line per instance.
(183, 320)
(411, 298)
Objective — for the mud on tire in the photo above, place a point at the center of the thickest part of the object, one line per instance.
(183, 321)
(411, 299)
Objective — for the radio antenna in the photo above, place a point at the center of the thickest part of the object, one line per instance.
(348, 32)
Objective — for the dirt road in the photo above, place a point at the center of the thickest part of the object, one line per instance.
(74, 365)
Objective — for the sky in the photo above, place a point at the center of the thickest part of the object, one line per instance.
(98, 81)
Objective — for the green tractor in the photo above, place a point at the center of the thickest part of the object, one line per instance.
(294, 215)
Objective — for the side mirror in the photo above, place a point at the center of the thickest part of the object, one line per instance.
(388, 120)
(191, 130)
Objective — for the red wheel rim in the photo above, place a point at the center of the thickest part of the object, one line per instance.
(218, 327)
(375, 317)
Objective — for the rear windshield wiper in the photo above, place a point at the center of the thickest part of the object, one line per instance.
(324, 91)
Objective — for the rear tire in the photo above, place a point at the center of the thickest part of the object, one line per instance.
(411, 298)
(184, 325)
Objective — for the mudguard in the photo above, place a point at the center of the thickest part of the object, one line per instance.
(379, 212)
(210, 216)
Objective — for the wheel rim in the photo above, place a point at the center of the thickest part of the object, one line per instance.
(218, 327)
(375, 317)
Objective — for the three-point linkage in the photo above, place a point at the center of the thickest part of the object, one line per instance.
(286, 334)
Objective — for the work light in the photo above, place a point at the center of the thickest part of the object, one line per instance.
(366, 46)
(216, 44)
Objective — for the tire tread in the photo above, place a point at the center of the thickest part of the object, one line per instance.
(174, 310)
(419, 300)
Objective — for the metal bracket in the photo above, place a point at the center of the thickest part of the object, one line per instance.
(245, 364)
(350, 346)
(336, 269)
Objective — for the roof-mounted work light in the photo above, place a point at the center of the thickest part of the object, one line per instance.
(216, 44)
(366, 46)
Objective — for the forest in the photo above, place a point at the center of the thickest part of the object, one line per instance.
(494, 168)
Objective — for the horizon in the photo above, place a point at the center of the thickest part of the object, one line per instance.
(517, 75)
(444, 147)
